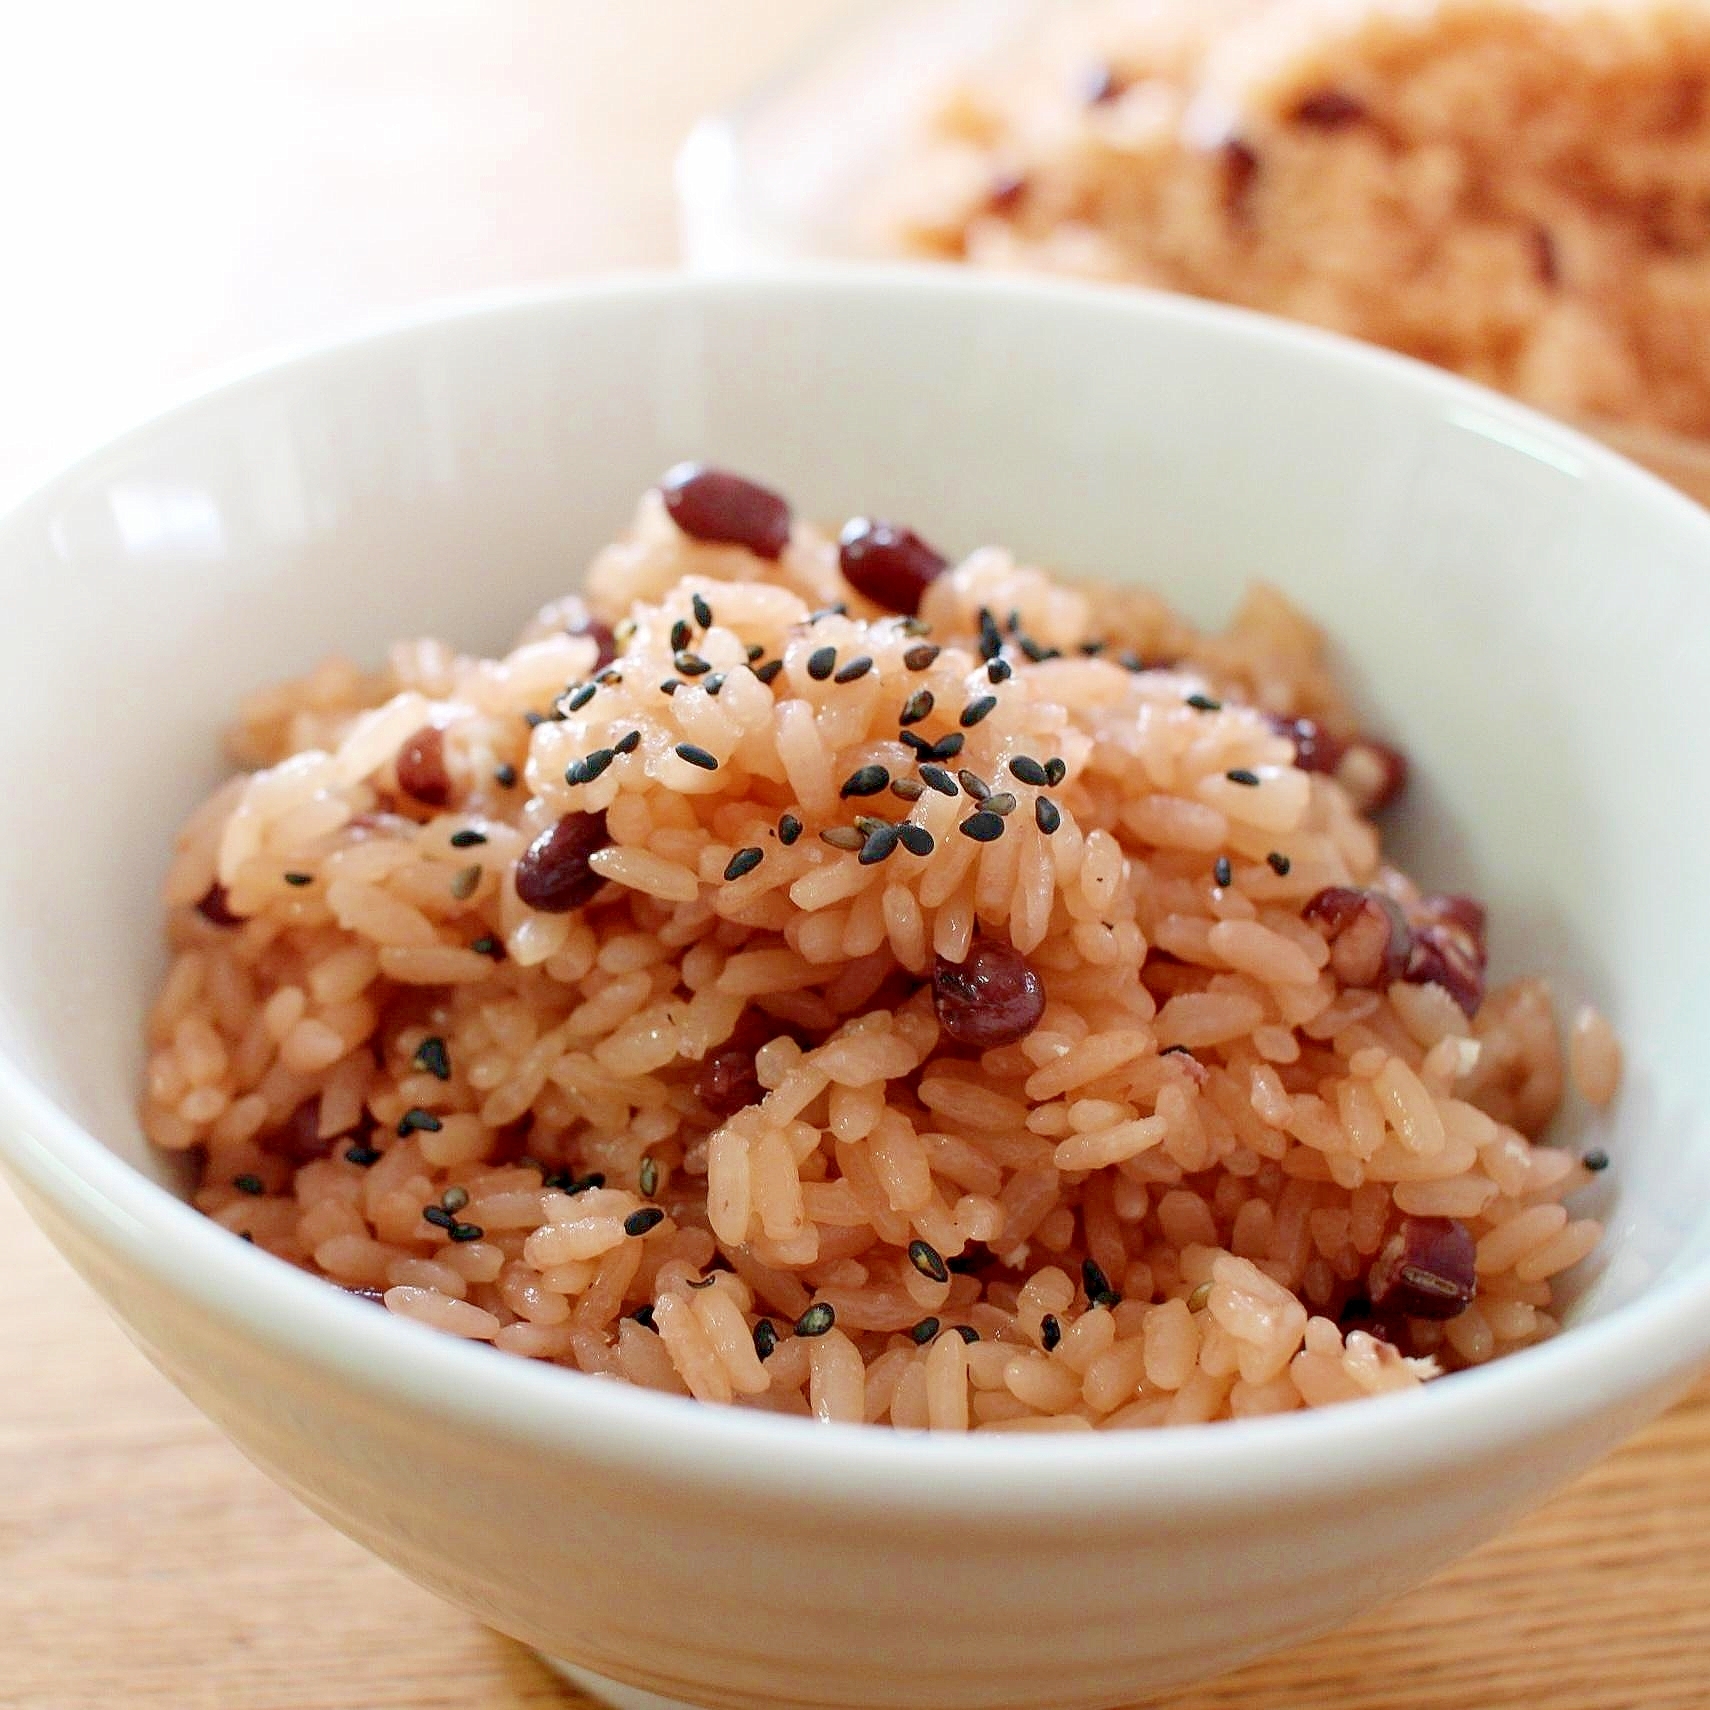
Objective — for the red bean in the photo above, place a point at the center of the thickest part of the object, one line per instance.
(728, 1082)
(298, 1140)
(893, 567)
(214, 906)
(553, 875)
(1330, 110)
(1425, 1270)
(1373, 773)
(1367, 933)
(726, 510)
(1240, 168)
(421, 767)
(604, 639)
(1448, 949)
(990, 1000)
(1315, 749)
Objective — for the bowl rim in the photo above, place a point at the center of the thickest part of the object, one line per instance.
(1630, 1353)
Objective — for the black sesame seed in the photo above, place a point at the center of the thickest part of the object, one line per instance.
(789, 829)
(920, 658)
(1596, 1160)
(433, 1058)
(907, 789)
(246, 1235)
(1204, 703)
(438, 1216)
(1050, 1332)
(714, 683)
(854, 670)
(691, 664)
(608, 675)
(1056, 770)
(923, 1332)
(699, 1283)
(488, 945)
(756, 652)
(680, 635)
(299, 879)
(1097, 1285)
(415, 1118)
(647, 1177)
(842, 837)
(921, 748)
(881, 842)
(1028, 770)
(467, 839)
(976, 710)
(838, 610)
(1222, 873)
(1278, 863)
(982, 827)
(946, 747)
(454, 1198)
(1046, 814)
(628, 742)
(639, 1222)
(821, 663)
(916, 707)
(1131, 661)
(670, 686)
(465, 882)
(865, 781)
(868, 823)
(936, 778)
(968, 1333)
(249, 1184)
(579, 698)
(974, 784)
(1038, 653)
(1003, 803)
(702, 611)
(362, 1155)
(765, 1339)
(1241, 775)
(743, 861)
(1014, 623)
(643, 1315)
(461, 1232)
(1092, 649)
(998, 671)
(696, 756)
(916, 839)
(927, 1260)
(768, 673)
(534, 719)
(817, 1319)
(991, 639)
(505, 777)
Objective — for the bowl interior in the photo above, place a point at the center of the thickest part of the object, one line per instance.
(1524, 613)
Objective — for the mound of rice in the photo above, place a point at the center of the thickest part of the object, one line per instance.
(817, 977)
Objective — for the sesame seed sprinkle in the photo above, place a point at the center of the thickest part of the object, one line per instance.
(1050, 1332)
(923, 1332)
(982, 827)
(821, 663)
(580, 698)
(643, 1315)
(765, 1339)
(1056, 770)
(454, 1198)
(1028, 770)
(488, 945)
(1204, 703)
(1596, 1160)
(1038, 653)
(1046, 814)
(467, 839)
(818, 1319)
(865, 781)
(505, 776)
(1278, 863)
(976, 710)
(714, 683)
(670, 686)
(907, 789)
(680, 634)
(946, 747)
(1222, 873)
(998, 671)
(647, 1176)
(928, 1261)
(1097, 1285)
(840, 609)
(967, 1332)
(364, 1157)
(1242, 775)
(880, 845)
(768, 673)
(936, 778)
(639, 1222)
(991, 638)
(854, 670)
(417, 1118)
(249, 1184)
(974, 784)
(696, 756)
(432, 1058)
(628, 742)
(702, 611)
(742, 862)
(298, 879)
(755, 652)
(438, 1216)
(1003, 803)
(920, 658)
(789, 829)
(916, 707)
(462, 1232)
(844, 837)
(691, 664)
(916, 839)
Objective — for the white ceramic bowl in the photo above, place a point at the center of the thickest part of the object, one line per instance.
(1530, 614)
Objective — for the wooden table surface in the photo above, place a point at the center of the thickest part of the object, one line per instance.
(185, 184)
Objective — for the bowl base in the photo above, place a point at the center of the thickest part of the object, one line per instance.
(612, 1692)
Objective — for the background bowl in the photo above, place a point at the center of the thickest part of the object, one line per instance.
(1529, 614)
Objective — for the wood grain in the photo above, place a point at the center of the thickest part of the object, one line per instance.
(204, 180)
